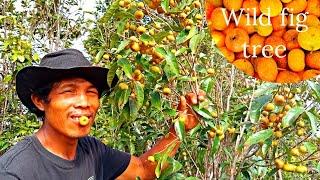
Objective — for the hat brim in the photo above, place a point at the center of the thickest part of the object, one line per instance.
(30, 78)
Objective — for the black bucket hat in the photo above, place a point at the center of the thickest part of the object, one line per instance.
(56, 66)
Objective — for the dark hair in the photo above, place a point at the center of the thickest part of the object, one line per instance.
(43, 93)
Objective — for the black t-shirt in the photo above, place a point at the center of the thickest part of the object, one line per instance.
(29, 160)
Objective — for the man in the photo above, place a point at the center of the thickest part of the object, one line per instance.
(64, 89)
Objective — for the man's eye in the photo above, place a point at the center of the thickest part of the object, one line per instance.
(93, 91)
(67, 91)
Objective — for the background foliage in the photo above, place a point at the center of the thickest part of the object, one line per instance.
(158, 56)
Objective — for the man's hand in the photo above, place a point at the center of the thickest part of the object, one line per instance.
(144, 168)
(185, 109)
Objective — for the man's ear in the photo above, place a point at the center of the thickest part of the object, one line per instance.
(38, 102)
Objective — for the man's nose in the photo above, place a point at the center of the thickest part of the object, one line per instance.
(82, 100)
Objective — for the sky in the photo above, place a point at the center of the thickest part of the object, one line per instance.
(87, 6)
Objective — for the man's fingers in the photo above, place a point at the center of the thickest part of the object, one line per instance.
(192, 121)
(182, 104)
(192, 98)
(201, 95)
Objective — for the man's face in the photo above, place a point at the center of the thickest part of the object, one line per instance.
(68, 101)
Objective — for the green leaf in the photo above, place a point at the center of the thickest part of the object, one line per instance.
(35, 57)
(132, 148)
(272, 172)
(207, 85)
(259, 137)
(195, 130)
(184, 35)
(124, 15)
(126, 67)
(257, 105)
(172, 67)
(202, 112)
(174, 166)
(121, 26)
(318, 167)
(315, 87)
(123, 99)
(215, 145)
(117, 98)
(195, 41)
(165, 5)
(193, 31)
(177, 176)
(159, 36)
(7, 78)
(21, 58)
(186, 78)
(114, 40)
(133, 109)
(265, 88)
(139, 94)
(161, 158)
(192, 178)
(291, 116)
(310, 147)
(313, 121)
(110, 12)
(156, 100)
(111, 73)
(179, 128)
(122, 45)
(266, 146)
(146, 38)
(158, 170)
(181, 51)
(162, 51)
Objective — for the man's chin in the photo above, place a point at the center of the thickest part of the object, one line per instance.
(77, 135)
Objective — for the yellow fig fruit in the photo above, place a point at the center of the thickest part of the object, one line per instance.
(231, 130)
(196, 4)
(303, 149)
(151, 159)
(221, 137)
(141, 29)
(301, 124)
(279, 163)
(211, 134)
(198, 16)
(301, 169)
(138, 14)
(106, 56)
(134, 39)
(287, 107)
(289, 167)
(278, 134)
(269, 107)
(140, 5)
(123, 86)
(171, 37)
(155, 69)
(219, 132)
(279, 99)
(83, 120)
(210, 71)
(309, 39)
(300, 132)
(166, 91)
(295, 152)
(135, 47)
